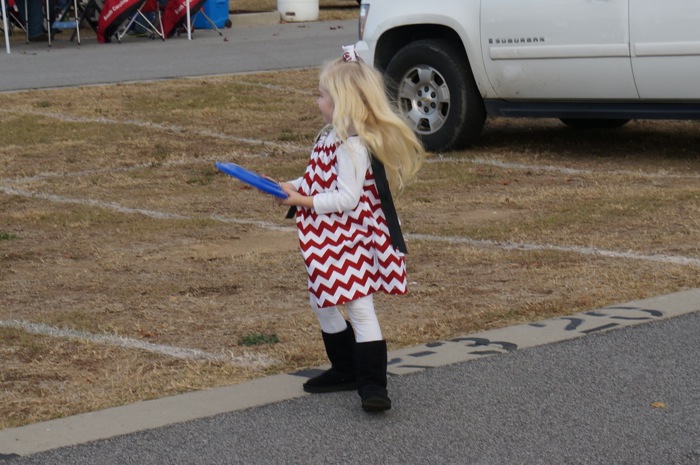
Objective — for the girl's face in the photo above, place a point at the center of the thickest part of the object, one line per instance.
(325, 104)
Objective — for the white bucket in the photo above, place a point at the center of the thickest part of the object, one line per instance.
(298, 10)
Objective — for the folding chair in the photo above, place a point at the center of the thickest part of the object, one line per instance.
(113, 14)
(177, 15)
(14, 19)
(11, 19)
(139, 19)
(63, 20)
(208, 19)
(89, 14)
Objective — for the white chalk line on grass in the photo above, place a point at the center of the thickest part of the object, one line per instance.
(158, 215)
(77, 174)
(122, 169)
(158, 126)
(559, 169)
(677, 260)
(93, 203)
(475, 161)
(246, 360)
(295, 147)
(672, 259)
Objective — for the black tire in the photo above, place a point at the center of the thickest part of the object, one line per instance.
(435, 91)
(228, 23)
(585, 123)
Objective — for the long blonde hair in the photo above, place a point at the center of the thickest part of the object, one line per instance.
(361, 104)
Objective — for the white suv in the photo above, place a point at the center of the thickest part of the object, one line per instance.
(597, 63)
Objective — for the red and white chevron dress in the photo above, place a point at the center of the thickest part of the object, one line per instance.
(347, 254)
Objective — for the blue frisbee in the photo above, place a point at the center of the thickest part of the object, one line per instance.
(252, 178)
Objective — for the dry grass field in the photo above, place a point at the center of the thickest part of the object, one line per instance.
(131, 269)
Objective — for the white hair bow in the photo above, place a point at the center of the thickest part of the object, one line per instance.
(349, 53)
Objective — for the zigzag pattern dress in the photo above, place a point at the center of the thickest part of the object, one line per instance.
(347, 254)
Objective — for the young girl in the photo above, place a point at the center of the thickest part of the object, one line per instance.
(349, 234)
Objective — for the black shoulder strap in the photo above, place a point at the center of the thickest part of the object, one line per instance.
(388, 205)
(291, 213)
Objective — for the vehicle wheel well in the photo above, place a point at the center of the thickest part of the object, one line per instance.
(392, 41)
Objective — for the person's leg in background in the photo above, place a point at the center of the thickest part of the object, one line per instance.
(35, 19)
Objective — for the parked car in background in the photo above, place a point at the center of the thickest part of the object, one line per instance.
(599, 63)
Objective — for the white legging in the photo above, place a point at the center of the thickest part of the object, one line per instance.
(361, 314)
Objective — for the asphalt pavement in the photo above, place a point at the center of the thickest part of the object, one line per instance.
(241, 48)
(618, 385)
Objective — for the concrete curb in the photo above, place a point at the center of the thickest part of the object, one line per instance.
(140, 416)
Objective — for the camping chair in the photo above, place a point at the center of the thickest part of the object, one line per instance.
(89, 14)
(64, 19)
(115, 13)
(11, 19)
(209, 20)
(206, 17)
(140, 20)
(178, 16)
(14, 19)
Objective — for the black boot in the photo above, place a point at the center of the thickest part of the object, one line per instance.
(341, 376)
(371, 361)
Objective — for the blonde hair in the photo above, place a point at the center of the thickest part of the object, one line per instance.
(361, 106)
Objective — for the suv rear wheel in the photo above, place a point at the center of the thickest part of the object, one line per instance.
(435, 91)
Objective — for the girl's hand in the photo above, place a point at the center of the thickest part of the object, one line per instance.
(293, 198)
(285, 187)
